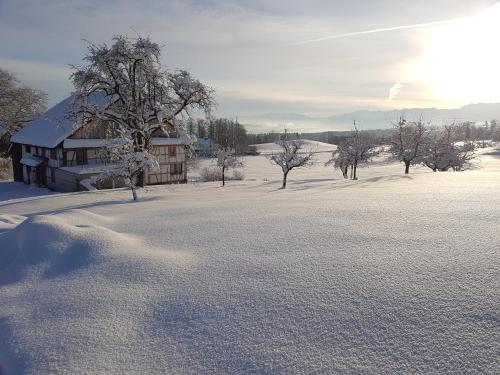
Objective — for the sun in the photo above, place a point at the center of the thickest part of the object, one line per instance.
(461, 61)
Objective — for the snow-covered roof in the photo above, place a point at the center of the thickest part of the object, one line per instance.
(31, 160)
(53, 126)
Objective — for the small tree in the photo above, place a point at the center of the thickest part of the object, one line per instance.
(126, 162)
(292, 155)
(353, 152)
(407, 144)
(341, 158)
(226, 159)
(444, 151)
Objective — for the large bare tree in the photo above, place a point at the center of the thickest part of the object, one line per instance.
(124, 86)
(19, 104)
(139, 95)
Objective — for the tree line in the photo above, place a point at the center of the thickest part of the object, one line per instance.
(226, 133)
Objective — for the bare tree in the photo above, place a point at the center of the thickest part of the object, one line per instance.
(19, 105)
(444, 151)
(292, 155)
(407, 144)
(124, 86)
(226, 159)
(341, 158)
(353, 152)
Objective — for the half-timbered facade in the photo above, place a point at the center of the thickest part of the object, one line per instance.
(51, 151)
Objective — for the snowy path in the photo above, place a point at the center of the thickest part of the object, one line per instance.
(389, 274)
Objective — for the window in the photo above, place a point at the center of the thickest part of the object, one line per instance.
(176, 169)
(81, 156)
(171, 150)
(53, 154)
(28, 149)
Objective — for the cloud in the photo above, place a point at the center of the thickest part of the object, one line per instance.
(375, 31)
(394, 91)
(249, 66)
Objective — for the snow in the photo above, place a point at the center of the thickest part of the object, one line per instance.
(9, 221)
(87, 184)
(53, 127)
(31, 160)
(388, 274)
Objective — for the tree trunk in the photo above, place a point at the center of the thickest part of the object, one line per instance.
(223, 176)
(407, 167)
(134, 193)
(355, 168)
(352, 170)
(140, 178)
(344, 171)
(284, 179)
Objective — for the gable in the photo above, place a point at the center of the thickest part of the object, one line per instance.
(53, 127)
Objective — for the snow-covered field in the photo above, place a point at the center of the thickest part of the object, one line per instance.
(390, 274)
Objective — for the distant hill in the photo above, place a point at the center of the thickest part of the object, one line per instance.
(268, 148)
(368, 119)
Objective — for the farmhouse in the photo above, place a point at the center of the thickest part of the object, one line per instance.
(53, 151)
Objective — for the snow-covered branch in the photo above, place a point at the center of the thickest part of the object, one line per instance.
(408, 141)
(125, 84)
(353, 152)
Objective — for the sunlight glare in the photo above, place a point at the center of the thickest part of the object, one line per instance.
(461, 60)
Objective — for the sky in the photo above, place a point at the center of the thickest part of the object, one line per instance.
(319, 58)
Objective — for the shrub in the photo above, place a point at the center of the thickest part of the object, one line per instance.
(211, 174)
(237, 175)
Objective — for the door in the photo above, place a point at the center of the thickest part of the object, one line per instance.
(41, 175)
